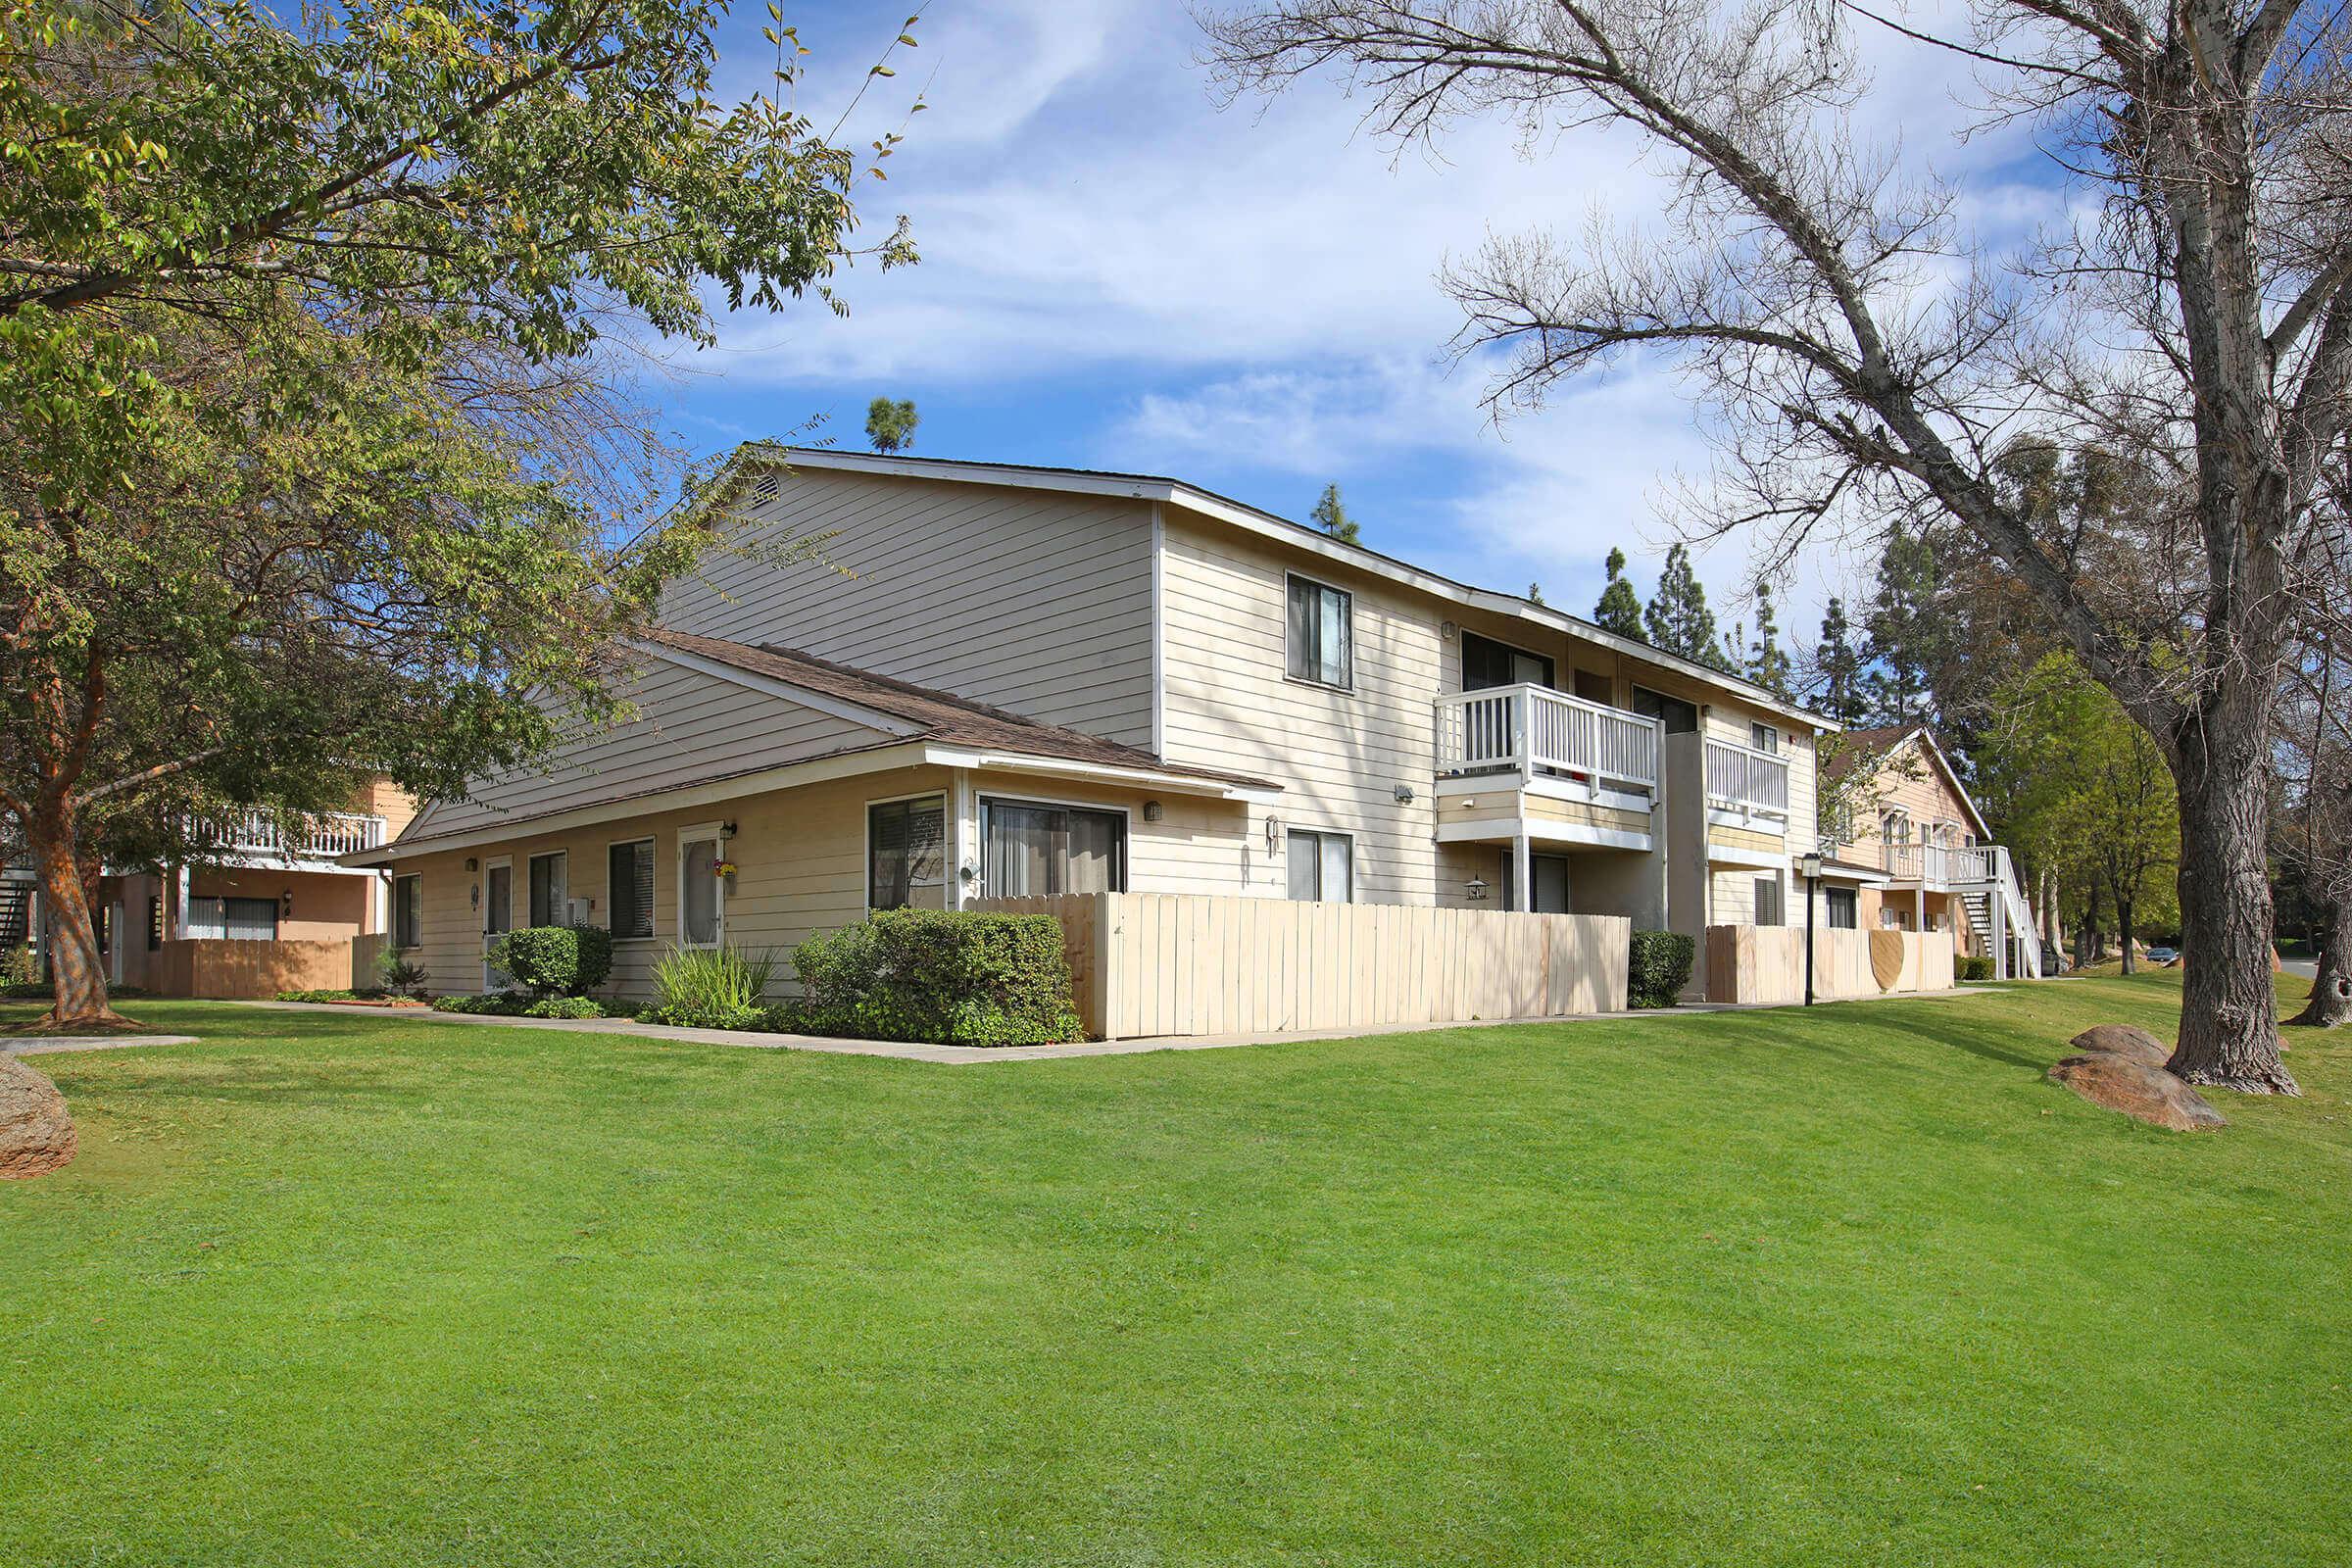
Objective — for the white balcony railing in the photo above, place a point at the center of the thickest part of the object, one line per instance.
(1534, 729)
(329, 834)
(1946, 866)
(1742, 778)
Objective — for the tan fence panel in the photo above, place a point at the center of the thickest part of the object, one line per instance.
(1752, 964)
(1161, 963)
(209, 966)
(366, 959)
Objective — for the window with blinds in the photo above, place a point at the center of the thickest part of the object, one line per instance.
(1321, 633)
(551, 886)
(233, 920)
(1843, 908)
(1322, 866)
(631, 888)
(1036, 851)
(905, 852)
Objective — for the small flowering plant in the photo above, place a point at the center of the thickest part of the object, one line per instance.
(722, 868)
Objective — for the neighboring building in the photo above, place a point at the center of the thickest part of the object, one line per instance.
(1914, 854)
(1020, 680)
(255, 888)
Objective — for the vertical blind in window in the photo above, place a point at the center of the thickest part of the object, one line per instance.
(551, 887)
(233, 920)
(906, 848)
(1768, 901)
(631, 871)
(1036, 851)
(1843, 906)
(1322, 866)
(1320, 634)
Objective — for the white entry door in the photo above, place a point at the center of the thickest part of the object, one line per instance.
(497, 916)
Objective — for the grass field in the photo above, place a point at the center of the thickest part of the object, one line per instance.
(1849, 1287)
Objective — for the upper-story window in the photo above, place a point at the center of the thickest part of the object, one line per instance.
(1322, 634)
(1675, 715)
(1764, 738)
(1487, 663)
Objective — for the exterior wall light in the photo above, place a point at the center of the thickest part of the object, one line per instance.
(1478, 887)
(1405, 795)
(1154, 810)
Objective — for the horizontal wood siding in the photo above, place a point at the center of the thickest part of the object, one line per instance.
(800, 854)
(1031, 601)
(690, 727)
(1154, 964)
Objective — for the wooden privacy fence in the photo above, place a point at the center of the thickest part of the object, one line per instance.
(1767, 962)
(366, 959)
(1170, 963)
(209, 966)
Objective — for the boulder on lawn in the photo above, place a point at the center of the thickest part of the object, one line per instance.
(37, 1136)
(2123, 1040)
(2146, 1093)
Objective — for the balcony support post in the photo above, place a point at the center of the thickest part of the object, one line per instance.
(1523, 881)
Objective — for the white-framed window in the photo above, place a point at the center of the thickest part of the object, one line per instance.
(1843, 908)
(550, 886)
(226, 919)
(1768, 901)
(1322, 634)
(629, 888)
(408, 910)
(905, 852)
(1764, 738)
(1322, 866)
(702, 892)
(1037, 848)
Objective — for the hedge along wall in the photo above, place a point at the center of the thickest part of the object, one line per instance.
(1159, 963)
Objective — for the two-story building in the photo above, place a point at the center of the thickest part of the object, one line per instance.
(1006, 681)
(1909, 851)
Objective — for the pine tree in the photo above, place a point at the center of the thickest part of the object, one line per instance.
(1677, 619)
(1332, 516)
(1768, 661)
(1909, 639)
(1535, 593)
(1619, 610)
(1837, 667)
(889, 425)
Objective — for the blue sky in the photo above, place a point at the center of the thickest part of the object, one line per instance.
(1118, 273)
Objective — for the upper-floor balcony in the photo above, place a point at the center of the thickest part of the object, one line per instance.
(1529, 760)
(257, 834)
(1936, 866)
(1537, 732)
(1746, 787)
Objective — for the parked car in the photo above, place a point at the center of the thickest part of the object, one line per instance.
(2163, 954)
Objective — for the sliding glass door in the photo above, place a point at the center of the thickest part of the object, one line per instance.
(1034, 850)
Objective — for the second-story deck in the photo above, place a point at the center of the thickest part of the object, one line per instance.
(1570, 770)
(258, 838)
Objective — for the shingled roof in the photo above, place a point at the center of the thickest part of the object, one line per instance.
(940, 716)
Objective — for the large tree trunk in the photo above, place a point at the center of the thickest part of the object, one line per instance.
(75, 973)
(2123, 926)
(2228, 1008)
(2332, 992)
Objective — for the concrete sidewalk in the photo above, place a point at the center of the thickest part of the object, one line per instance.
(968, 1055)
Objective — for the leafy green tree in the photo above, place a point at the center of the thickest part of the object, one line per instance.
(1677, 617)
(890, 427)
(2076, 786)
(1331, 515)
(315, 459)
(1618, 609)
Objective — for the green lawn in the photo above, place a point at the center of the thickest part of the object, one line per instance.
(1768, 1288)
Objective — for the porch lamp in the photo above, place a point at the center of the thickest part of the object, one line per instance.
(1810, 865)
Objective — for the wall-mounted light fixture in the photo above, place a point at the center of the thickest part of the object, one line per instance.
(1447, 630)
(473, 864)
(286, 904)
(1154, 810)
(726, 830)
(1478, 887)
(1405, 795)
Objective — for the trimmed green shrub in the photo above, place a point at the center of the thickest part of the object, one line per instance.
(946, 976)
(1657, 967)
(495, 1004)
(564, 1008)
(710, 988)
(328, 995)
(18, 966)
(1974, 966)
(556, 960)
